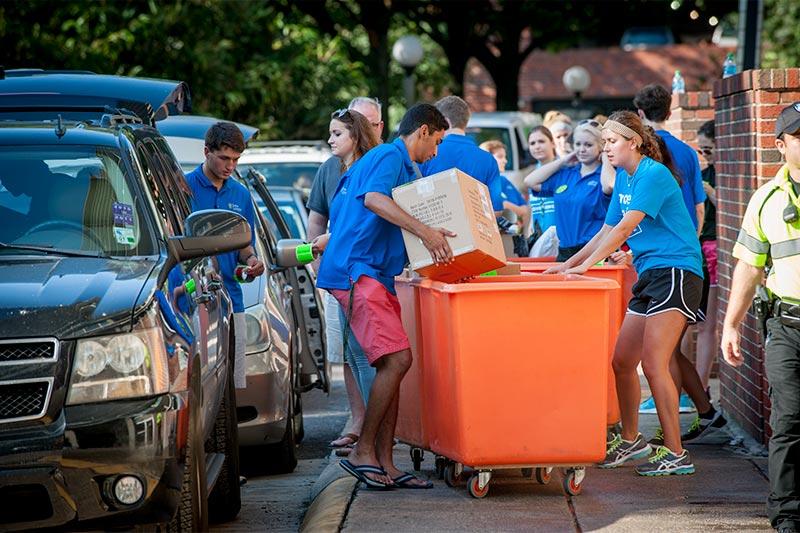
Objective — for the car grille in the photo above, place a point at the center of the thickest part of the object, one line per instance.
(23, 400)
(22, 352)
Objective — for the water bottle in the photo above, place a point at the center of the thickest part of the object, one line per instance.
(729, 66)
(678, 85)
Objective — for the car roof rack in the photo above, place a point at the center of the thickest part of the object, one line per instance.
(103, 115)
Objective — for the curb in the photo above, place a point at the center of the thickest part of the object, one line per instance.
(330, 498)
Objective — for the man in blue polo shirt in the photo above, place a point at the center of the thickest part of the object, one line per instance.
(364, 254)
(212, 189)
(653, 103)
(461, 152)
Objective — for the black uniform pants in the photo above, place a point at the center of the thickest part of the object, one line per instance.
(783, 374)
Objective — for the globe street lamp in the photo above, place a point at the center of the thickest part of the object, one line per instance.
(576, 80)
(407, 51)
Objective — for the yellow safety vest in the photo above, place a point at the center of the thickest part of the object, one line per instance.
(764, 235)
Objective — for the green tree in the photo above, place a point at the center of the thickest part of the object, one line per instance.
(781, 34)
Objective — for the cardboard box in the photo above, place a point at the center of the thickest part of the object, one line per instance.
(455, 201)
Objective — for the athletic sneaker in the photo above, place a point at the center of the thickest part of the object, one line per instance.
(666, 463)
(685, 404)
(658, 438)
(620, 451)
(648, 407)
(700, 425)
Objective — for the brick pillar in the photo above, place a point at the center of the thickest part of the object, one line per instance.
(746, 106)
(689, 111)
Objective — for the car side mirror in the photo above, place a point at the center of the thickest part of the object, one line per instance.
(208, 232)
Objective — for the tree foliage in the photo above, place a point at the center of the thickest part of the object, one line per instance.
(781, 35)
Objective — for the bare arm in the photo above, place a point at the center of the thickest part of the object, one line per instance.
(434, 239)
(700, 210)
(743, 287)
(535, 179)
(711, 193)
(583, 253)
(317, 225)
(608, 175)
(523, 212)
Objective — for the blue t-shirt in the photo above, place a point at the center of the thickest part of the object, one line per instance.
(362, 243)
(232, 196)
(688, 166)
(509, 193)
(461, 152)
(580, 205)
(665, 238)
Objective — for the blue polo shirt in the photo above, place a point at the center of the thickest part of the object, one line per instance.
(461, 152)
(232, 196)
(362, 243)
(688, 166)
(665, 238)
(510, 193)
(580, 205)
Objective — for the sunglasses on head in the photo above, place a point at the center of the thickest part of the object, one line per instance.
(339, 113)
(705, 151)
(591, 122)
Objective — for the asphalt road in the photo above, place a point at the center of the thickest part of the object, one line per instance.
(279, 502)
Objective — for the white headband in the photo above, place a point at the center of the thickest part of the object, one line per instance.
(622, 129)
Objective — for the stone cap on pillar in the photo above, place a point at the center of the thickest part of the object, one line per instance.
(777, 79)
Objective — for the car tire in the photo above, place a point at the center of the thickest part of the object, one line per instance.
(282, 456)
(192, 513)
(225, 499)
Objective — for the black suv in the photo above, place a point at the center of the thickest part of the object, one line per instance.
(117, 403)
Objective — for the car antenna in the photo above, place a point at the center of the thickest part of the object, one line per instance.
(60, 129)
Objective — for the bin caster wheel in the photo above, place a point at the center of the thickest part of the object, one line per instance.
(440, 463)
(573, 481)
(450, 476)
(417, 455)
(543, 475)
(527, 472)
(474, 487)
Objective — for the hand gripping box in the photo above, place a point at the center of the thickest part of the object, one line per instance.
(457, 202)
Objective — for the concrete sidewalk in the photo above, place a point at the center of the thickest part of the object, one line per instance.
(727, 492)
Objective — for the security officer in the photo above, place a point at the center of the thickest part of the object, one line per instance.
(770, 235)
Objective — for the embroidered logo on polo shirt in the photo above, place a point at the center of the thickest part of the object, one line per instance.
(234, 207)
(561, 189)
(592, 183)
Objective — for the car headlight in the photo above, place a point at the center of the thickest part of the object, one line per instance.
(128, 365)
(258, 337)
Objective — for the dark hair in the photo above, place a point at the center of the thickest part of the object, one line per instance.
(360, 130)
(225, 134)
(544, 130)
(707, 129)
(655, 101)
(653, 146)
(422, 114)
(455, 110)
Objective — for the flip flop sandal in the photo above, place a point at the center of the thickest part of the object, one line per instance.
(406, 481)
(351, 436)
(359, 472)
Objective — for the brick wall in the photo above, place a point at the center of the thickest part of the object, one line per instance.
(746, 106)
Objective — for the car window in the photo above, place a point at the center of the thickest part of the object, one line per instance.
(166, 197)
(481, 135)
(72, 198)
(297, 175)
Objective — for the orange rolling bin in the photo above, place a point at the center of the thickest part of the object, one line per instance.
(410, 427)
(625, 276)
(515, 374)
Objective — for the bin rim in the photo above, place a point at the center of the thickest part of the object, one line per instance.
(518, 260)
(503, 283)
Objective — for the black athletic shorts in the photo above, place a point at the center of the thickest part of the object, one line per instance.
(667, 289)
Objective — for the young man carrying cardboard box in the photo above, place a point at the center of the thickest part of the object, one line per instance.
(364, 254)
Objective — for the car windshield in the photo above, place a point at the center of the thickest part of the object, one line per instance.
(481, 135)
(69, 199)
(297, 175)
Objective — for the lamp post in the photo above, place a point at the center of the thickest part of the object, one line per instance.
(576, 80)
(407, 51)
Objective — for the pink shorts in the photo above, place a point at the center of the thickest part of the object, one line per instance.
(375, 319)
(710, 253)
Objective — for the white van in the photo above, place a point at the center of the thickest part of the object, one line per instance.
(512, 129)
